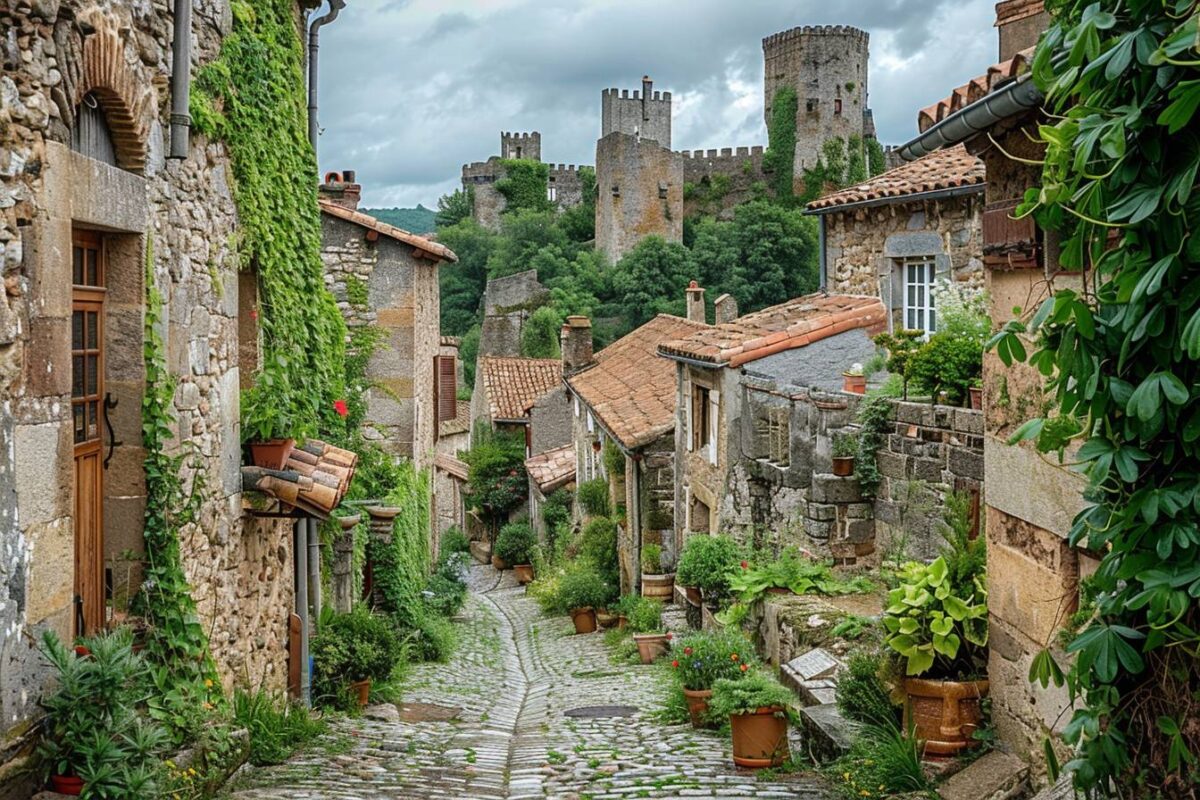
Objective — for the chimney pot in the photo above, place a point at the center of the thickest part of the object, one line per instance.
(695, 303)
(340, 189)
(576, 342)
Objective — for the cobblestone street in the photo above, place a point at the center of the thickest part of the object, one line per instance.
(513, 676)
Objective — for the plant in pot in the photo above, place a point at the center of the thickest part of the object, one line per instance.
(349, 652)
(645, 620)
(656, 581)
(854, 381)
(268, 427)
(975, 390)
(514, 546)
(759, 710)
(845, 448)
(938, 627)
(705, 564)
(702, 659)
(95, 742)
(581, 591)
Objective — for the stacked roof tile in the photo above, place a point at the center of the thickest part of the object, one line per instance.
(951, 168)
(553, 468)
(511, 384)
(426, 247)
(997, 76)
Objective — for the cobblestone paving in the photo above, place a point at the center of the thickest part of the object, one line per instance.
(513, 675)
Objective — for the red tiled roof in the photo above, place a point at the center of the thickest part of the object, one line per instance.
(510, 383)
(789, 325)
(553, 468)
(996, 76)
(950, 168)
(425, 247)
(628, 389)
(461, 422)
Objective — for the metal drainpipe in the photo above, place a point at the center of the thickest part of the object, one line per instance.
(314, 569)
(314, 36)
(824, 268)
(181, 79)
(300, 570)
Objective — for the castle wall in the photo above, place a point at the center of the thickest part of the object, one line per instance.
(514, 145)
(717, 180)
(640, 193)
(480, 179)
(646, 114)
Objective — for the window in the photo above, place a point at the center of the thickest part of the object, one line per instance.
(918, 277)
(837, 106)
(810, 105)
(552, 193)
(772, 429)
(700, 420)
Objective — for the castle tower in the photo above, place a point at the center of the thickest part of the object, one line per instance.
(827, 66)
(521, 145)
(647, 114)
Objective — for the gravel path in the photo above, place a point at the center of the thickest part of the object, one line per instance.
(512, 677)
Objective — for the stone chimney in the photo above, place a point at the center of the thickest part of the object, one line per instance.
(340, 189)
(1020, 22)
(695, 303)
(576, 341)
(725, 309)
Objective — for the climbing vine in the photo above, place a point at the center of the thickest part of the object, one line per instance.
(252, 98)
(524, 184)
(779, 160)
(1120, 352)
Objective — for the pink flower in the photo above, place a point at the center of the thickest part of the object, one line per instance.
(254, 313)
(340, 407)
(675, 664)
(669, 637)
(745, 565)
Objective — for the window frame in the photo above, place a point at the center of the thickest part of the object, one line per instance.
(918, 278)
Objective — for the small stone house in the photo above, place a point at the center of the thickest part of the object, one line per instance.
(901, 232)
(387, 278)
(726, 414)
(506, 389)
(549, 471)
(624, 396)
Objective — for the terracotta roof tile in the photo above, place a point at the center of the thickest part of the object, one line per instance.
(978, 88)
(628, 389)
(430, 248)
(944, 169)
(787, 326)
(452, 466)
(461, 422)
(553, 468)
(511, 383)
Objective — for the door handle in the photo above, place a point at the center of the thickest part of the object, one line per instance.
(110, 403)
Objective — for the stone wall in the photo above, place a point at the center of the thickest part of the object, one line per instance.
(863, 245)
(639, 193)
(480, 178)
(717, 180)
(550, 423)
(645, 114)
(55, 53)
(507, 303)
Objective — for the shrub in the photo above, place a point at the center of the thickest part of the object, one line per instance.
(614, 460)
(862, 694)
(446, 592)
(598, 545)
(706, 657)
(496, 477)
(882, 763)
(705, 563)
(276, 729)
(642, 614)
(651, 559)
(516, 542)
(947, 363)
(582, 587)
(593, 497)
(935, 627)
(433, 639)
(454, 541)
(556, 513)
(745, 695)
(352, 647)
(790, 570)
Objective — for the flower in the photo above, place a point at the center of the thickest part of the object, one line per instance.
(675, 664)
(687, 651)
(254, 313)
(745, 565)
(733, 656)
(340, 407)
(745, 667)
(669, 637)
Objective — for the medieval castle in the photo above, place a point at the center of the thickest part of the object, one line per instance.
(640, 180)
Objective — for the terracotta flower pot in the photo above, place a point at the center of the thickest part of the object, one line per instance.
(524, 573)
(584, 619)
(607, 620)
(271, 453)
(697, 703)
(660, 587)
(361, 690)
(651, 645)
(67, 784)
(499, 563)
(945, 713)
(622, 621)
(976, 395)
(854, 384)
(759, 739)
(843, 466)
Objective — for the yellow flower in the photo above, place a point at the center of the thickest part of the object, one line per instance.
(846, 775)
(208, 683)
(170, 763)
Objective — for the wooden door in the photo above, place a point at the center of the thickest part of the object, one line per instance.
(87, 408)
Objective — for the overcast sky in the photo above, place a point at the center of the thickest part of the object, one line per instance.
(413, 89)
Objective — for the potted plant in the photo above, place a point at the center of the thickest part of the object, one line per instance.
(758, 707)
(645, 620)
(701, 659)
(854, 381)
(845, 448)
(95, 740)
(350, 652)
(704, 565)
(514, 545)
(975, 390)
(656, 581)
(936, 621)
(581, 591)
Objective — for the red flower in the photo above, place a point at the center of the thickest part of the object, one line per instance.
(687, 651)
(254, 313)
(669, 637)
(675, 664)
(745, 667)
(745, 565)
(340, 407)
(733, 656)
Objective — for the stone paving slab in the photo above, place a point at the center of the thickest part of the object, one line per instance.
(513, 675)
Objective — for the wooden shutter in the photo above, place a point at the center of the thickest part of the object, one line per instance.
(714, 411)
(447, 388)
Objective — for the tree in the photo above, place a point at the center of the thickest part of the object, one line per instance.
(455, 207)
(524, 185)
(579, 222)
(523, 234)
(539, 336)
(651, 279)
(462, 284)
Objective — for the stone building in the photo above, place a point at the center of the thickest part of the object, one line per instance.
(624, 396)
(507, 388)
(387, 278)
(1033, 571)
(735, 422)
(639, 193)
(901, 232)
(549, 471)
(507, 303)
(564, 186)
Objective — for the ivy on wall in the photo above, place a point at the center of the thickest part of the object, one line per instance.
(779, 160)
(252, 98)
(524, 184)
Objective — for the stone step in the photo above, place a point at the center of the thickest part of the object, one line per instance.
(1062, 790)
(481, 552)
(995, 776)
(826, 731)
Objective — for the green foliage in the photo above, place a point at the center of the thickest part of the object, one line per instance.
(433, 639)
(863, 693)
(1121, 357)
(745, 695)
(446, 590)
(651, 559)
(579, 222)
(598, 546)
(277, 729)
(453, 208)
(614, 460)
(902, 346)
(593, 497)
(414, 220)
(529, 238)
(524, 185)
(966, 557)
(650, 280)
(540, 334)
(454, 541)
(936, 627)
(876, 161)
(875, 425)
(556, 514)
(581, 586)
(352, 647)
(845, 445)
(642, 614)
(660, 518)
(252, 98)
(706, 657)
(461, 287)
(706, 562)
(779, 160)
(882, 763)
(856, 160)
(496, 474)
(468, 352)
(792, 571)
(947, 363)
(93, 728)
(515, 543)
(401, 565)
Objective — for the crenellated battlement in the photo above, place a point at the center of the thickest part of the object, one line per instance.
(520, 136)
(634, 94)
(804, 33)
(564, 169)
(724, 152)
